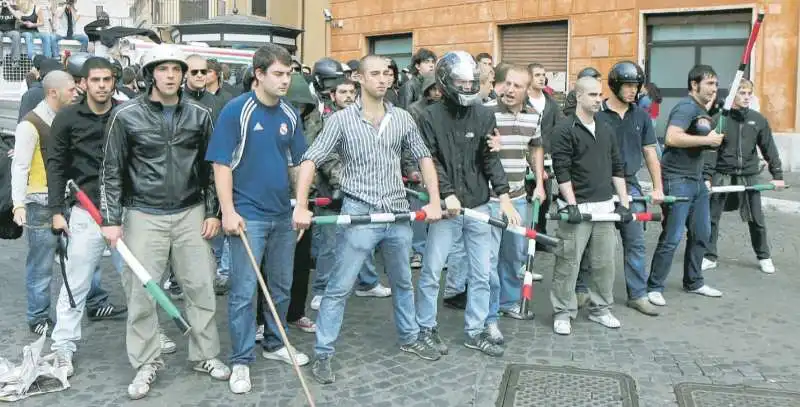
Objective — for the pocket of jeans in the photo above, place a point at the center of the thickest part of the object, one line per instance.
(353, 207)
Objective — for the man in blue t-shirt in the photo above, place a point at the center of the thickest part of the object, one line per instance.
(258, 138)
(690, 132)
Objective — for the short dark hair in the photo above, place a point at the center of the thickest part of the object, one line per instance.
(363, 61)
(698, 73)
(535, 65)
(128, 75)
(345, 81)
(96, 63)
(483, 55)
(500, 72)
(423, 54)
(270, 54)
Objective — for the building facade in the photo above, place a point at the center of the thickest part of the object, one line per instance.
(667, 37)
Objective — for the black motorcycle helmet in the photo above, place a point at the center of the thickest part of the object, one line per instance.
(327, 72)
(589, 71)
(458, 65)
(625, 72)
(248, 75)
(75, 63)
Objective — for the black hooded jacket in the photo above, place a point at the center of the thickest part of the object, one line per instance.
(745, 130)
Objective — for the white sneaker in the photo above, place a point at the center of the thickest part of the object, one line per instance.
(315, 302)
(377, 291)
(215, 368)
(167, 345)
(145, 376)
(537, 276)
(562, 326)
(106, 253)
(606, 320)
(708, 264)
(64, 361)
(656, 298)
(259, 333)
(707, 291)
(240, 379)
(282, 355)
(767, 266)
(495, 336)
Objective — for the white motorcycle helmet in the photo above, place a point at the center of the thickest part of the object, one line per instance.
(158, 55)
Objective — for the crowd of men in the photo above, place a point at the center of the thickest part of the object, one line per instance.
(194, 179)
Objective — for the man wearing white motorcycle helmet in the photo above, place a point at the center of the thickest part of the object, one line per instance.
(154, 168)
(456, 132)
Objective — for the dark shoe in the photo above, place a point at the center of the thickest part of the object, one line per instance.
(422, 349)
(108, 311)
(458, 301)
(322, 372)
(432, 339)
(482, 343)
(42, 327)
(221, 285)
(544, 248)
(175, 292)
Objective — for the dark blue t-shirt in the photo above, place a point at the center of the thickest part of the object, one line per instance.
(694, 120)
(633, 132)
(259, 142)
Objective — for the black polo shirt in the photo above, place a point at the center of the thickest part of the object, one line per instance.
(634, 130)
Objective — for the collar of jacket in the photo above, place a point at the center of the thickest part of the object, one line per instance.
(152, 104)
(739, 114)
(194, 94)
(83, 107)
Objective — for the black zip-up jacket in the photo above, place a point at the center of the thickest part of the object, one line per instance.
(151, 163)
(206, 99)
(75, 152)
(410, 92)
(586, 160)
(457, 139)
(745, 130)
(550, 118)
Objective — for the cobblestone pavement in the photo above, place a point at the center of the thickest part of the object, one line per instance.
(747, 337)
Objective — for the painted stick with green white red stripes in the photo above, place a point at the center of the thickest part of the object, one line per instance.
(319, 201)
(668, 199)
(526, 301)
(138, 269)
(368, 219)
(498, 223)
(609, 217)
(740, 188)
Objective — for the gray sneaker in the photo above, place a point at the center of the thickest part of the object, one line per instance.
(482, 343)
(644, 306)
(431, 338)
(322, 372)
(422, 349)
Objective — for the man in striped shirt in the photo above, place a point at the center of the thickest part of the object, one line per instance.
(369, 137)
(520, 136)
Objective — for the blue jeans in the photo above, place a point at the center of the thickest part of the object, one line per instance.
(221, 248)
(692, 217)
(273, 244)
(355, 244)
(82, 38)
(39, 266)
(456, 278)
(420, 229)
(326, 237)
(507, 257)
(441, 235)
(46, 39)
(633, 252)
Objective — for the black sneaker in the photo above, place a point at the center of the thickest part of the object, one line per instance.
(175, 292)
(458, 301)
(108, 311)
(422, 349)
(432, 339)
(221, 285)
(482, 343)
(42, 326)
(322, 372)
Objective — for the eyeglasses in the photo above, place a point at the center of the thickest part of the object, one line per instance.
(198, 71)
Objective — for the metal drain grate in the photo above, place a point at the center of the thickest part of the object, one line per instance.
(712, 395)
(545, 386)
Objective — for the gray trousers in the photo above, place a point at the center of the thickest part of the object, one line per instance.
(156, 241)
(601, 241)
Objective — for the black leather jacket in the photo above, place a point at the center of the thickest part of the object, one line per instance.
(154, 164)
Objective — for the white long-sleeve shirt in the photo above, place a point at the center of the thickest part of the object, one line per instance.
(25, 139)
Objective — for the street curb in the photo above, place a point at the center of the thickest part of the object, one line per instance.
(780, 205)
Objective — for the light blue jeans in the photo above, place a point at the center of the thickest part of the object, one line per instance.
(441, 236)
(507, 257)
(46, 39)
(355, 244)
(456, 278)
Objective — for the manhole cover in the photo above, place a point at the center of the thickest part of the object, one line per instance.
(545, 386)
(712, 395)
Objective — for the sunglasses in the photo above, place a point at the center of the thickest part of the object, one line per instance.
(198, 71)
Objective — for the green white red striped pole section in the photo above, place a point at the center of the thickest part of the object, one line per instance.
(668, 199)
(138, 269)
(498, 223)
(740, 188)
(368, 219)
(321, 201)
(609, 217)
